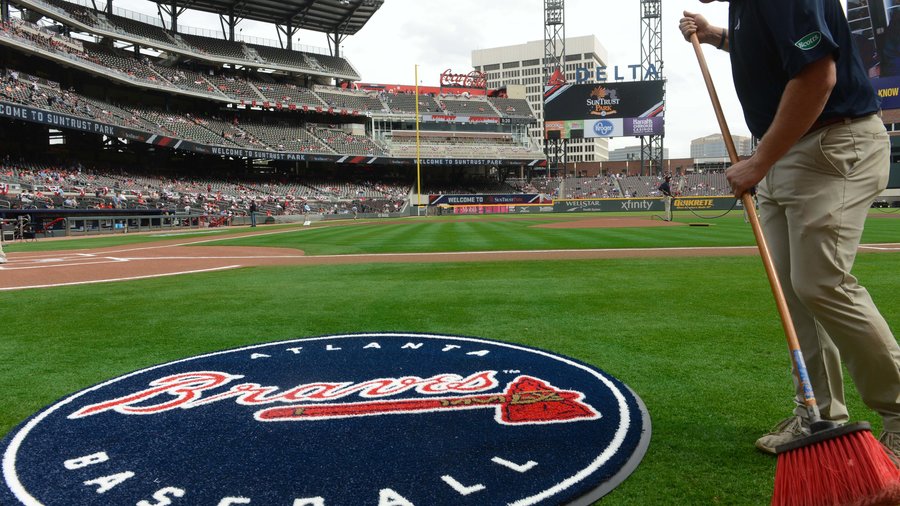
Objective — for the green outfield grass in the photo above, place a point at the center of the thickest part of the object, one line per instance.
(697, 339)
(476, 233)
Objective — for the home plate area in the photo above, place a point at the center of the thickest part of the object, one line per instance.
(359, 419)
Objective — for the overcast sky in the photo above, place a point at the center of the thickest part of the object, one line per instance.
(440, 35)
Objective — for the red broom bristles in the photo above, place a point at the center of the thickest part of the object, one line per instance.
(850, 470)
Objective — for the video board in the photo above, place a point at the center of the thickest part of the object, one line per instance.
(619, 109)
(876, 32)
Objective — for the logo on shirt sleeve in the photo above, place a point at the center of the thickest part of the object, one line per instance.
(809, 41)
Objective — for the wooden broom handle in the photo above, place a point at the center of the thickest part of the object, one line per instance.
(750, 208)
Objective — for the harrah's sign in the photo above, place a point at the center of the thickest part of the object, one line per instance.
(473, 79)
(601, 74)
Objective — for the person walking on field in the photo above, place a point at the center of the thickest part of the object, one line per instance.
(668, 197)
(822, 158)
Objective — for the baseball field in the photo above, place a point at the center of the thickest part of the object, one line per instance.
(694, 332)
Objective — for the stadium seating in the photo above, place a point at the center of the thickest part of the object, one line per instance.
(288, 58)
(33, 35)
(349, 100)
(146, 31)
(713, 183)
(283, 137)
(80, 13)
(235, 51)
(54, 185)
(406, 103)
(187, 79)
(207, 122)
(468, 107)
(346, 143)
(288, 94)
(512, 108)
(231, 132)
(459, 145)
(235, 87)
(209, 130)
(592, 187)
(185, 127)
(216, 47)
(339, 65)
(125, 63)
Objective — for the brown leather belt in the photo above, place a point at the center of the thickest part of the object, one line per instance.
(822, 123)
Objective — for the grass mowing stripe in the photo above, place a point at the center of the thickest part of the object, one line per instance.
(411, 237)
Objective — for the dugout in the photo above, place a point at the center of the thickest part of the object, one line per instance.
(51, 222)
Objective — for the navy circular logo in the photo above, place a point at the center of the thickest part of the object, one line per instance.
(604, 128)
(387, 419)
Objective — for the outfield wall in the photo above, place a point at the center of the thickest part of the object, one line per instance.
(627, 205)
(613, 205)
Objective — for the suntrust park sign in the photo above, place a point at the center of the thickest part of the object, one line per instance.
(386, 419)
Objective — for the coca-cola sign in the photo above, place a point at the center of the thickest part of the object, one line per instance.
(474, 79)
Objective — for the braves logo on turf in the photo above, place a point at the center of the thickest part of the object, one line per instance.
(328, 420)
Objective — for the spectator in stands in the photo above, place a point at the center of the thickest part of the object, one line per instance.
(667, 197)
(253, 209)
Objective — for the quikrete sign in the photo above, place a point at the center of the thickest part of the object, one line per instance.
(685, 203)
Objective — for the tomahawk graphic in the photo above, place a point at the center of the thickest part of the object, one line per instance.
(526, 400)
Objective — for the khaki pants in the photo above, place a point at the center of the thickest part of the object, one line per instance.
(813, 205)
(667, 203)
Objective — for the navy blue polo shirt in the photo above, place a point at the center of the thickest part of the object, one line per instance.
(771, 41)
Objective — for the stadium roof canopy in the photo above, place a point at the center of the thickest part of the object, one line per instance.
(344, 17)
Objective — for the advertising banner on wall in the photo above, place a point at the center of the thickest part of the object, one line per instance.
(488, 199)
(644, 204)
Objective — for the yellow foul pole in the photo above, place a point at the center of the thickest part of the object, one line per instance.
(418, 160)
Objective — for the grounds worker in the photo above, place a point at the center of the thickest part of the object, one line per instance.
(2, 254)
(666, 190)
(822, 158)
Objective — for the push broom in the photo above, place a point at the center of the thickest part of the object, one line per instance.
(835, 465)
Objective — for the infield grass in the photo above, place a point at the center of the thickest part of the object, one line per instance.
(697, 339)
